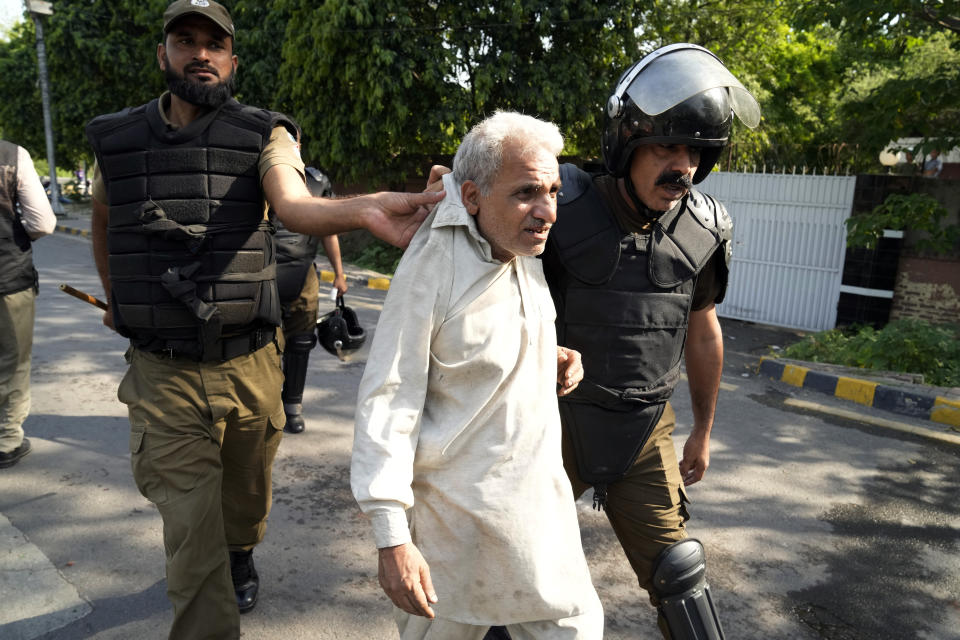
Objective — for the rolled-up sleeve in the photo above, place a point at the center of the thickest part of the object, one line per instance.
(391, 396)
(37, 215)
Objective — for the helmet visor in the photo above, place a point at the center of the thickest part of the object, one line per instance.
(677, 75)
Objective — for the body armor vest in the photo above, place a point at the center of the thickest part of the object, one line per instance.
(191, 255)
(295, 254)
(623, 301)
(16, 254)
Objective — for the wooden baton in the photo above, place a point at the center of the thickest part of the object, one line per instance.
(86, 297)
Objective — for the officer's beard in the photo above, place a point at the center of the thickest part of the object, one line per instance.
(201, 94)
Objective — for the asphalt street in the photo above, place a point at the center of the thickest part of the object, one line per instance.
(817, 526)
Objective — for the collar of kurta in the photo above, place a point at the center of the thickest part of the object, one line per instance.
(450, 212)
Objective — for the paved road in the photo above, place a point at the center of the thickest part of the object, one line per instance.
(817, 527)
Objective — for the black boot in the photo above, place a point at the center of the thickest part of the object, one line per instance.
(296, 356)
(246, 582)
(497, 633)
(13, 457)
(295, 423)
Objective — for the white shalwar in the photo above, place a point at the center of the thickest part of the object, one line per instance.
(457, 421)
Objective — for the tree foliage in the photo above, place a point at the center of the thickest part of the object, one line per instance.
(380, 86)
(891, 19)
(903, 69)
(100, 58)
(918, 212)
(376, 84)
(917, 96)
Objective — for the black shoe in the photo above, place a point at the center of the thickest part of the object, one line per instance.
(246, 582)
(295, 423)
(13, 457)
(497, 633)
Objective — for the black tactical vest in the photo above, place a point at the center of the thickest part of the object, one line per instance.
(16, 254)
(191, 255)
(623, 301)
(295, 254)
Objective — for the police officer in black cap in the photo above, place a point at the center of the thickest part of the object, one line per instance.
(184, 247)
(636, 263)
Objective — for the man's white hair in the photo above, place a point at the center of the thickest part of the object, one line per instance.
(480, 154)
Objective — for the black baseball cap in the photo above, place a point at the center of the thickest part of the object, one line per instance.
(207, 8)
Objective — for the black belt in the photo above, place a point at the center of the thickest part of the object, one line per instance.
(225, 348)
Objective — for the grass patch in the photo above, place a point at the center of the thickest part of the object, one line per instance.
(378, 256)
(907, 346)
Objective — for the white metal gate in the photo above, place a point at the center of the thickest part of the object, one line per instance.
(789, 246)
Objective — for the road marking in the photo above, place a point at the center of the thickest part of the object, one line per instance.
(930, 434)
(36, 597)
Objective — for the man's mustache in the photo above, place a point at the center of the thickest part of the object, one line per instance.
(675, 177)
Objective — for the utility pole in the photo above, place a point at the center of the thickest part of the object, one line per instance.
(36, 8)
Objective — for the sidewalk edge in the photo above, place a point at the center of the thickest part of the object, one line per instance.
(872, 394)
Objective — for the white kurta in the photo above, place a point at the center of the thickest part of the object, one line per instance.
(457, 421)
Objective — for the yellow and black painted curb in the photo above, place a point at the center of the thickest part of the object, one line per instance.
(380, 283)
(370, 283)
(872, 394)
(74, 232)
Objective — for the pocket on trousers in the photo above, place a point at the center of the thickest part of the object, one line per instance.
(136, 440)
(278, 420)
(684, 501)
(127, 392)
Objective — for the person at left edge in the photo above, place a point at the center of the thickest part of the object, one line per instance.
(25, 215)
(184, 249)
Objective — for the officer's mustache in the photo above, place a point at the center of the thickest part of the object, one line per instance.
(675, 177)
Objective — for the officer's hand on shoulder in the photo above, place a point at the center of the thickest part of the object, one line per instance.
(435, 181)
(397, 216)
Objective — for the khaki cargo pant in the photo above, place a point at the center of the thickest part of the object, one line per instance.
(300, 316)
(203, 437)
(16, 341)
(646, 508)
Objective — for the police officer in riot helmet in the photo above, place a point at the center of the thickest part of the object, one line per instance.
(636, 263)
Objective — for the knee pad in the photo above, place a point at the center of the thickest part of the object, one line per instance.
(296, 357)
(683, 595)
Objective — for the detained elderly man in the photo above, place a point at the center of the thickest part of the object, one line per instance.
(457, 421)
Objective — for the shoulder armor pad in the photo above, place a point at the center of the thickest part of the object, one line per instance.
(262, 119)
(711, 213)
(718, 219)
(107, 121)
(575, 182)
(586, 237)
(684, 239)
